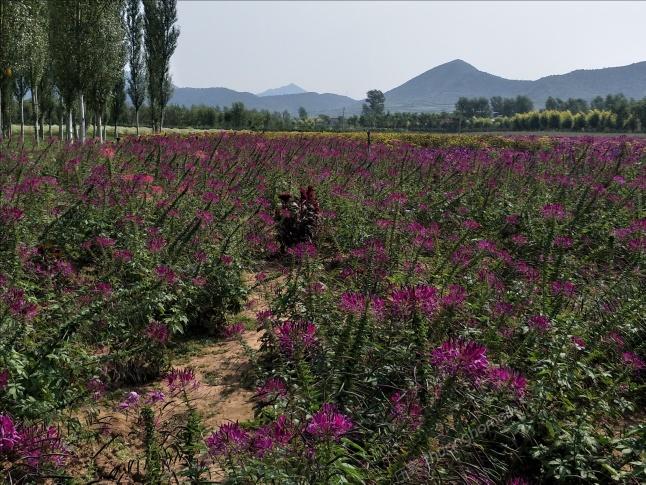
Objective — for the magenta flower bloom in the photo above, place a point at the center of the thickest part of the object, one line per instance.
(273, 388)
(131, 401)
(158, 332)
(303, 250)
(229, 439)
(633, 360)
(454, 297)
(563, 242)
(554, 211)
(563, 288)
(166, 274)
(10, 214)
(505, 377)
(155, 243)
(294, 336)
(405, 301)
(539, 322)
(181, 379)
(278, 433)
(154, 397)
(123, 255)
(104, 242)
(96, 387)
(40, 446)
(328, 423)
(455, 357)
(519, 239)
(8, 434)
(578, 342)
(353, 303)
(471, 225)
(233, 330)
(406, 408)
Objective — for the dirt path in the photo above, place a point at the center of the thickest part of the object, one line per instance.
(225, 394)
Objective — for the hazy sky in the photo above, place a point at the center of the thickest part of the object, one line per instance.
(350, 47)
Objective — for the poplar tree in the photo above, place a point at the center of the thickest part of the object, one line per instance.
(137, 74)
(160, 39)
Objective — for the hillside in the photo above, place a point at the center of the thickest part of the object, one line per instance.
(434, 90)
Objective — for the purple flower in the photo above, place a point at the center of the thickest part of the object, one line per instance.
(278, 433)
(328, 423)
(104, 242)
(554, 211)
(274, 387)
(166, 274)
(8, 434)
(633, 360)
(563, 242)
(96, 387)
(404, 301)
(158, 332)
(454, 297)
(563, 288)
(539, 322)
(461, 358)
(406, 409)
(233, 330)
(353, 303)
(578, 342)
(471, 225)
(181, 379)
(40, 446)
(155, 396)
(303, 250)
(505, 377)
(294, 336)
(131, 401)
(229, 439)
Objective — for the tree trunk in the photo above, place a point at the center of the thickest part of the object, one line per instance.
(116, 131)
(82, 102)
(70, 134)
(99, 122)
(137, 120)
(1, 126)
(22, 119)
(94, 133)
(60, 128)
(34, 102)
(161, 120)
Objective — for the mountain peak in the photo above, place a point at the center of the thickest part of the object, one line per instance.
(455, 65)
(290, 88)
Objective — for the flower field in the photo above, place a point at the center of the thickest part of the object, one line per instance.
(454, 309)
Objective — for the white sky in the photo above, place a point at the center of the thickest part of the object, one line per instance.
(351, 47)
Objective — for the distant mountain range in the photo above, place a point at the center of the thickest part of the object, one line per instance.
(434, 90)
(289, 89)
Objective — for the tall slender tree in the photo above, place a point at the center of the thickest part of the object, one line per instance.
(88, 51)
(137, 74)
(118, 102)
(37, 32)
(160, 38)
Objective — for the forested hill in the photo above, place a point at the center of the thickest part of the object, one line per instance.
(437, 89)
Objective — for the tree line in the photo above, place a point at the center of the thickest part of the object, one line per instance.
(70, 56)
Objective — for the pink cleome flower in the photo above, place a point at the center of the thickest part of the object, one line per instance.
(328, 423)
(182, 379)
(456, 357)
(295, 336)
(274, 387)
(229, 439)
